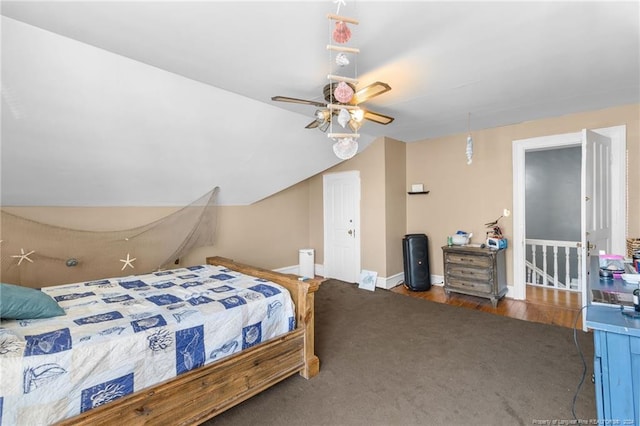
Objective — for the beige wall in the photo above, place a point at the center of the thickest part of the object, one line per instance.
(370, 164)
(382, 206)
(468, 196)
(396, 204)
(268, 234)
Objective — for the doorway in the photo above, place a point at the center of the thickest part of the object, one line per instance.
(341, 205)
(553, 219)
(615, 190)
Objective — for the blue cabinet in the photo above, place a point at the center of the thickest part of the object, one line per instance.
(616, 365)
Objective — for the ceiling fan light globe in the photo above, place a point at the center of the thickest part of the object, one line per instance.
(322, 115)
(324, 126)
(345, 148)
(357, 114)
(355, 125)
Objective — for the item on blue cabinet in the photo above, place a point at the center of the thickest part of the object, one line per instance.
(613, 263)
(497, 243)
(631, 278)
(636, 260)
(605, 273)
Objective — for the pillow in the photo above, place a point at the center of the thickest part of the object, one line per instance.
(18, 302)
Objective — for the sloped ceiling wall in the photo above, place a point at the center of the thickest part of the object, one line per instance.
(156, 102)
(120, 132)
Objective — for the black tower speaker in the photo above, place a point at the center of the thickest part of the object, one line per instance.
(416, 262)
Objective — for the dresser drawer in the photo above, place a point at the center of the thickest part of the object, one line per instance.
(468, 273)
(475, 286)
(469, 259)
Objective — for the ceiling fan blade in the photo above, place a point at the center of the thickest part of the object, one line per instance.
(370, 91)
(298, 101)
(377, 117)
(312, 125)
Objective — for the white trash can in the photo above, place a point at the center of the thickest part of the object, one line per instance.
(306, 267)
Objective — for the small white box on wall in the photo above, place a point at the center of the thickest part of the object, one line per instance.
(417, 187)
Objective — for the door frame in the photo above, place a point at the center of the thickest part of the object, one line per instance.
(618, 136)
(353, 175)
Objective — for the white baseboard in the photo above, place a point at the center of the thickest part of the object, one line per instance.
(385, 283)
(397, 279)
(437, 280)
(390, 282)
(511, 292)
(319, 270)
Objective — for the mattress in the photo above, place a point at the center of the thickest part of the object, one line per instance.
(122, 335)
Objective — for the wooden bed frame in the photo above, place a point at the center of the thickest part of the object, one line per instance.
(202, 393)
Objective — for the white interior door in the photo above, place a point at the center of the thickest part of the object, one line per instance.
(342, 226)
(596, 200)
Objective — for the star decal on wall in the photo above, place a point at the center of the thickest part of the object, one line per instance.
(127, 262)
(23, 256)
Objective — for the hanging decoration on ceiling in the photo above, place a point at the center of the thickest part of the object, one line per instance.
(343, 118)
(345, 145)
(469, 150)
(343, 93)
(345, 148)
(342, 60)
(341, 33)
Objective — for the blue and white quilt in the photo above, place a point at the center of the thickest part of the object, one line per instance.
(124, 334)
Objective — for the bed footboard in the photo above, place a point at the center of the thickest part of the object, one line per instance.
(303, 296)
(202, 393)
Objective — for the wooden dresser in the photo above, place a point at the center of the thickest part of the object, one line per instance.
(475, 271)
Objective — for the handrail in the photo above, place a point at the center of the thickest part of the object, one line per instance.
(556, 243)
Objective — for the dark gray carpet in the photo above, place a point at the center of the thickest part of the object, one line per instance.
(390, 359)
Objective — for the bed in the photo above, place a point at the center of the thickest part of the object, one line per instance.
(210, 378)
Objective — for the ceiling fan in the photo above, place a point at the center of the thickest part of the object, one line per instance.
(323, 116)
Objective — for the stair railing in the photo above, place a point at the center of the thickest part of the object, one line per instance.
(566, 253)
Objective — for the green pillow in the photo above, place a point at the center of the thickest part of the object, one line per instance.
(18, 302)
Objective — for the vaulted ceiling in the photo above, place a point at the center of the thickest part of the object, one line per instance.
(155, 103)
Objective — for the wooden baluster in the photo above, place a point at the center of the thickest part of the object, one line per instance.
(567, 275)
(545, 281)
(533, 262)
(555, 266)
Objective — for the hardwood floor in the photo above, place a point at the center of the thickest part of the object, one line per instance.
(543, 305)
